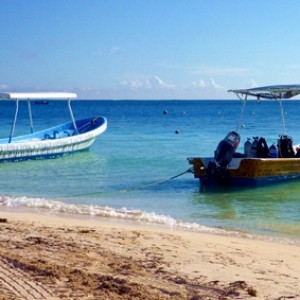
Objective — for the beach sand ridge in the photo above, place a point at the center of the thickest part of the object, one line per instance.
(55, 258)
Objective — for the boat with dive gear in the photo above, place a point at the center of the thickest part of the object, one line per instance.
(258, 164)
(69, 137)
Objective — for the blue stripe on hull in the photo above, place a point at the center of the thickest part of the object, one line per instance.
(244, 182)
(42, 156)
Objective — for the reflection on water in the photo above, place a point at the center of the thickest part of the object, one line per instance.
(265, 209)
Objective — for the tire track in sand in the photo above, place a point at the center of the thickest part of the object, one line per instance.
(20, 285)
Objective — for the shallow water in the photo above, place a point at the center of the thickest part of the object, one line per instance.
(125, 174)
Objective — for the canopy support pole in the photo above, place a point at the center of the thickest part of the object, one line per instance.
(72, 116)
(14, 123)
(30, 115)
(282, 115)
(242, 112)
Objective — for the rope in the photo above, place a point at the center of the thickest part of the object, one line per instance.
(116, 124)
(190, 170)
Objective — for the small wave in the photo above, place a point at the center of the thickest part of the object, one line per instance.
(101, 211)
(53, 206)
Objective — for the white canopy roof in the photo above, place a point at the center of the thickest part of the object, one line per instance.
(38, 96)
(271, 92)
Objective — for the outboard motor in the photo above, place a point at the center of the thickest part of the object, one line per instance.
(226, 149)
(223, 156)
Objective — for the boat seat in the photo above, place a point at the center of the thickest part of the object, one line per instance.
(58, 135)
(235, 163)
(62, 134)
(46, 136)
(69, 132)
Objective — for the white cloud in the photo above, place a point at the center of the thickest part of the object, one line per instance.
(104, 52)
(115, 50)
(247, 84)
(214, 85)
(200, 84)
(206, 85)
(132, 84)
(156, 88)
(3, 86)
(157, 82)
(253, 83)
(151, 83)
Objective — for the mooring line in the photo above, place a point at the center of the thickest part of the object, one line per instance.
(190, 170)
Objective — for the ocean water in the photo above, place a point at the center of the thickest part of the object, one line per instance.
(127, 172)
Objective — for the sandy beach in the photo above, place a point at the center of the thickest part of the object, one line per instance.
(59, 257)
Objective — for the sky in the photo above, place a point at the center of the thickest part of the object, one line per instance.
(148, 49)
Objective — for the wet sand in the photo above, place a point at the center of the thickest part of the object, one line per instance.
(54, 257)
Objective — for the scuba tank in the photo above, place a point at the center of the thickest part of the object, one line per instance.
(262, 148)
(247, 148)
(273, 151)
(285, 146)
(254, 147)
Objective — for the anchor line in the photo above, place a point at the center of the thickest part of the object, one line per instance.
(190, 170)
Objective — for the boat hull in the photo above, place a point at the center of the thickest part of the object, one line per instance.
(248, 171)
(54, 142)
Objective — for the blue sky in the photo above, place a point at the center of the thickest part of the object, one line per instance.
(154, 49)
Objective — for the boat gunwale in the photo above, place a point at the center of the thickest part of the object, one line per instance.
(31, 138)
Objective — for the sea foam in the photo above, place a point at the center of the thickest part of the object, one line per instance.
(54, 206)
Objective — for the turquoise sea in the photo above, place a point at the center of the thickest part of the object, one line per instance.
(125, 174)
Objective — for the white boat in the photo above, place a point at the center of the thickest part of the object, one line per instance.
(73, 136)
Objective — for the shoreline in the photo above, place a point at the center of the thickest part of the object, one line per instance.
(136, 217)
(120, 216)
(70, 257)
